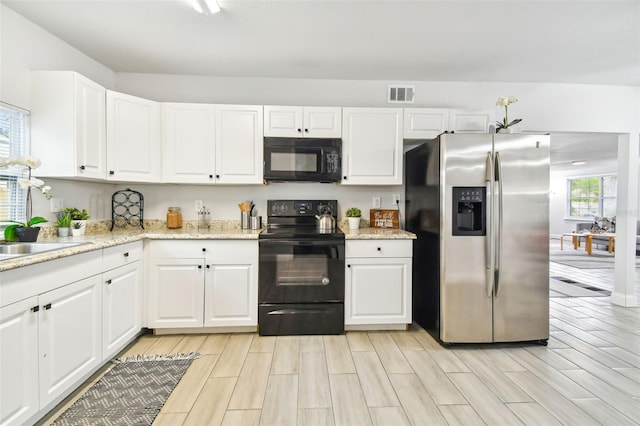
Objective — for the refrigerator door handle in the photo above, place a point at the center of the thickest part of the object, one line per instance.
(488, 239)
(498, 177)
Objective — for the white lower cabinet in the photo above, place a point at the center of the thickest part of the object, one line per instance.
(176, 293)
(19, 398)
(211, 284)
(121, 296)
(59, 321)
(378, 282)
(70, 324)
(231, 297)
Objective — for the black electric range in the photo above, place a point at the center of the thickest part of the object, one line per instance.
(301, 270)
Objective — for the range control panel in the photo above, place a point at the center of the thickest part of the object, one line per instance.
(301, 208)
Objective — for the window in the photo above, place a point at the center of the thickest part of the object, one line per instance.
(14, 140)
(592, 196)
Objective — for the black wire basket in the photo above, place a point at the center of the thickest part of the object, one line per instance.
(127, 207)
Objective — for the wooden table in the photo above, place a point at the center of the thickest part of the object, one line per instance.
(588, 246)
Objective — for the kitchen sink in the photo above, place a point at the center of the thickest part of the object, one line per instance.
(12, 250)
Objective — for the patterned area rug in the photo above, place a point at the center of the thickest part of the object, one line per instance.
(131, 393)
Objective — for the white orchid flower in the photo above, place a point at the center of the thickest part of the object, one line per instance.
(24, 183)
(33, 162)
(46, 189)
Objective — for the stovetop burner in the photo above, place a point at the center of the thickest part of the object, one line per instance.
(297, 219)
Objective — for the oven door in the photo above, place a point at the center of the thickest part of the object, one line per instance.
(301, 271)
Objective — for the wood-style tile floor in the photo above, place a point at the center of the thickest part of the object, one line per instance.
(589, 374)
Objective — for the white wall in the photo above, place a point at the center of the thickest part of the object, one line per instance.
(25, 46)
(543, 107)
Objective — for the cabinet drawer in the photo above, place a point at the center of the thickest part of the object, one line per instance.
(379, 248)
(20, 283)
(114, 257)
(204, 248)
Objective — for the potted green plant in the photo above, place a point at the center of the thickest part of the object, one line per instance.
(353, 215)
(25, 231)
(78, 216)
(63, 223)
(77, 228)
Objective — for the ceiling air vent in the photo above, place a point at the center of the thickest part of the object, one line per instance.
(401, 94)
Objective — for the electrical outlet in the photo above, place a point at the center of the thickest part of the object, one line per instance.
(375, 203)
(56, 204)
(199, 205)
(396, 200)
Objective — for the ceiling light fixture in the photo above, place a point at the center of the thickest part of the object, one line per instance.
(578, 163)
(206, 7)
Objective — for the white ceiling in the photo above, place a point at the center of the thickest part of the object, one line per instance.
(590, 42)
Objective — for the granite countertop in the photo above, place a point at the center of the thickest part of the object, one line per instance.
(377, 234)
(98, 241)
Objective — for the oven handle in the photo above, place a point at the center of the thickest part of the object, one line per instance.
(292, 311)
(314, 243)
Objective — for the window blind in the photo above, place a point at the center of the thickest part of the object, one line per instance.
(14, 140)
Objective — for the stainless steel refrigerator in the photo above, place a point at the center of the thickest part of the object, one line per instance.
(479, 205)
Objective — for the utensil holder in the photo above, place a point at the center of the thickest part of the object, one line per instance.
(245, 220)
(256, 222)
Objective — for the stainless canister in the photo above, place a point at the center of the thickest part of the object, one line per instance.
(256, 222)
(245, 220)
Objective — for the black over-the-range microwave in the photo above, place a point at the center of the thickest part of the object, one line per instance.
(302, 160)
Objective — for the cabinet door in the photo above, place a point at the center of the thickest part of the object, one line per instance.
(189, 134)
(283, 121)
(133, 138)
(322, 122)
(231, 293)
(121, 307)
(468, 121)
(372, 146)
(377, 291)
(70, 329)
(239, 144)
(68, 130)
(176, 293)
(90, 128)
(425, 123)
(19, 361)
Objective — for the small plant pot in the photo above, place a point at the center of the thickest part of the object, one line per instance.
(354, 222)
(82, 229)
(63, 232)
(27, 235)
(77, 232)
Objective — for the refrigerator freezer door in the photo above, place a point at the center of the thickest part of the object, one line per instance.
(521, 294)
(465, 306)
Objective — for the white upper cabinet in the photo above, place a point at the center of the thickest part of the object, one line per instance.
(425, 123)
(68, 125)
(470, 121)
(239, 140)
(188, 136)
(372, 146)
(133, 139)
(303, 122)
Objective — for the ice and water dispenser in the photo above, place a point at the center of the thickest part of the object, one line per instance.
(469, 211)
